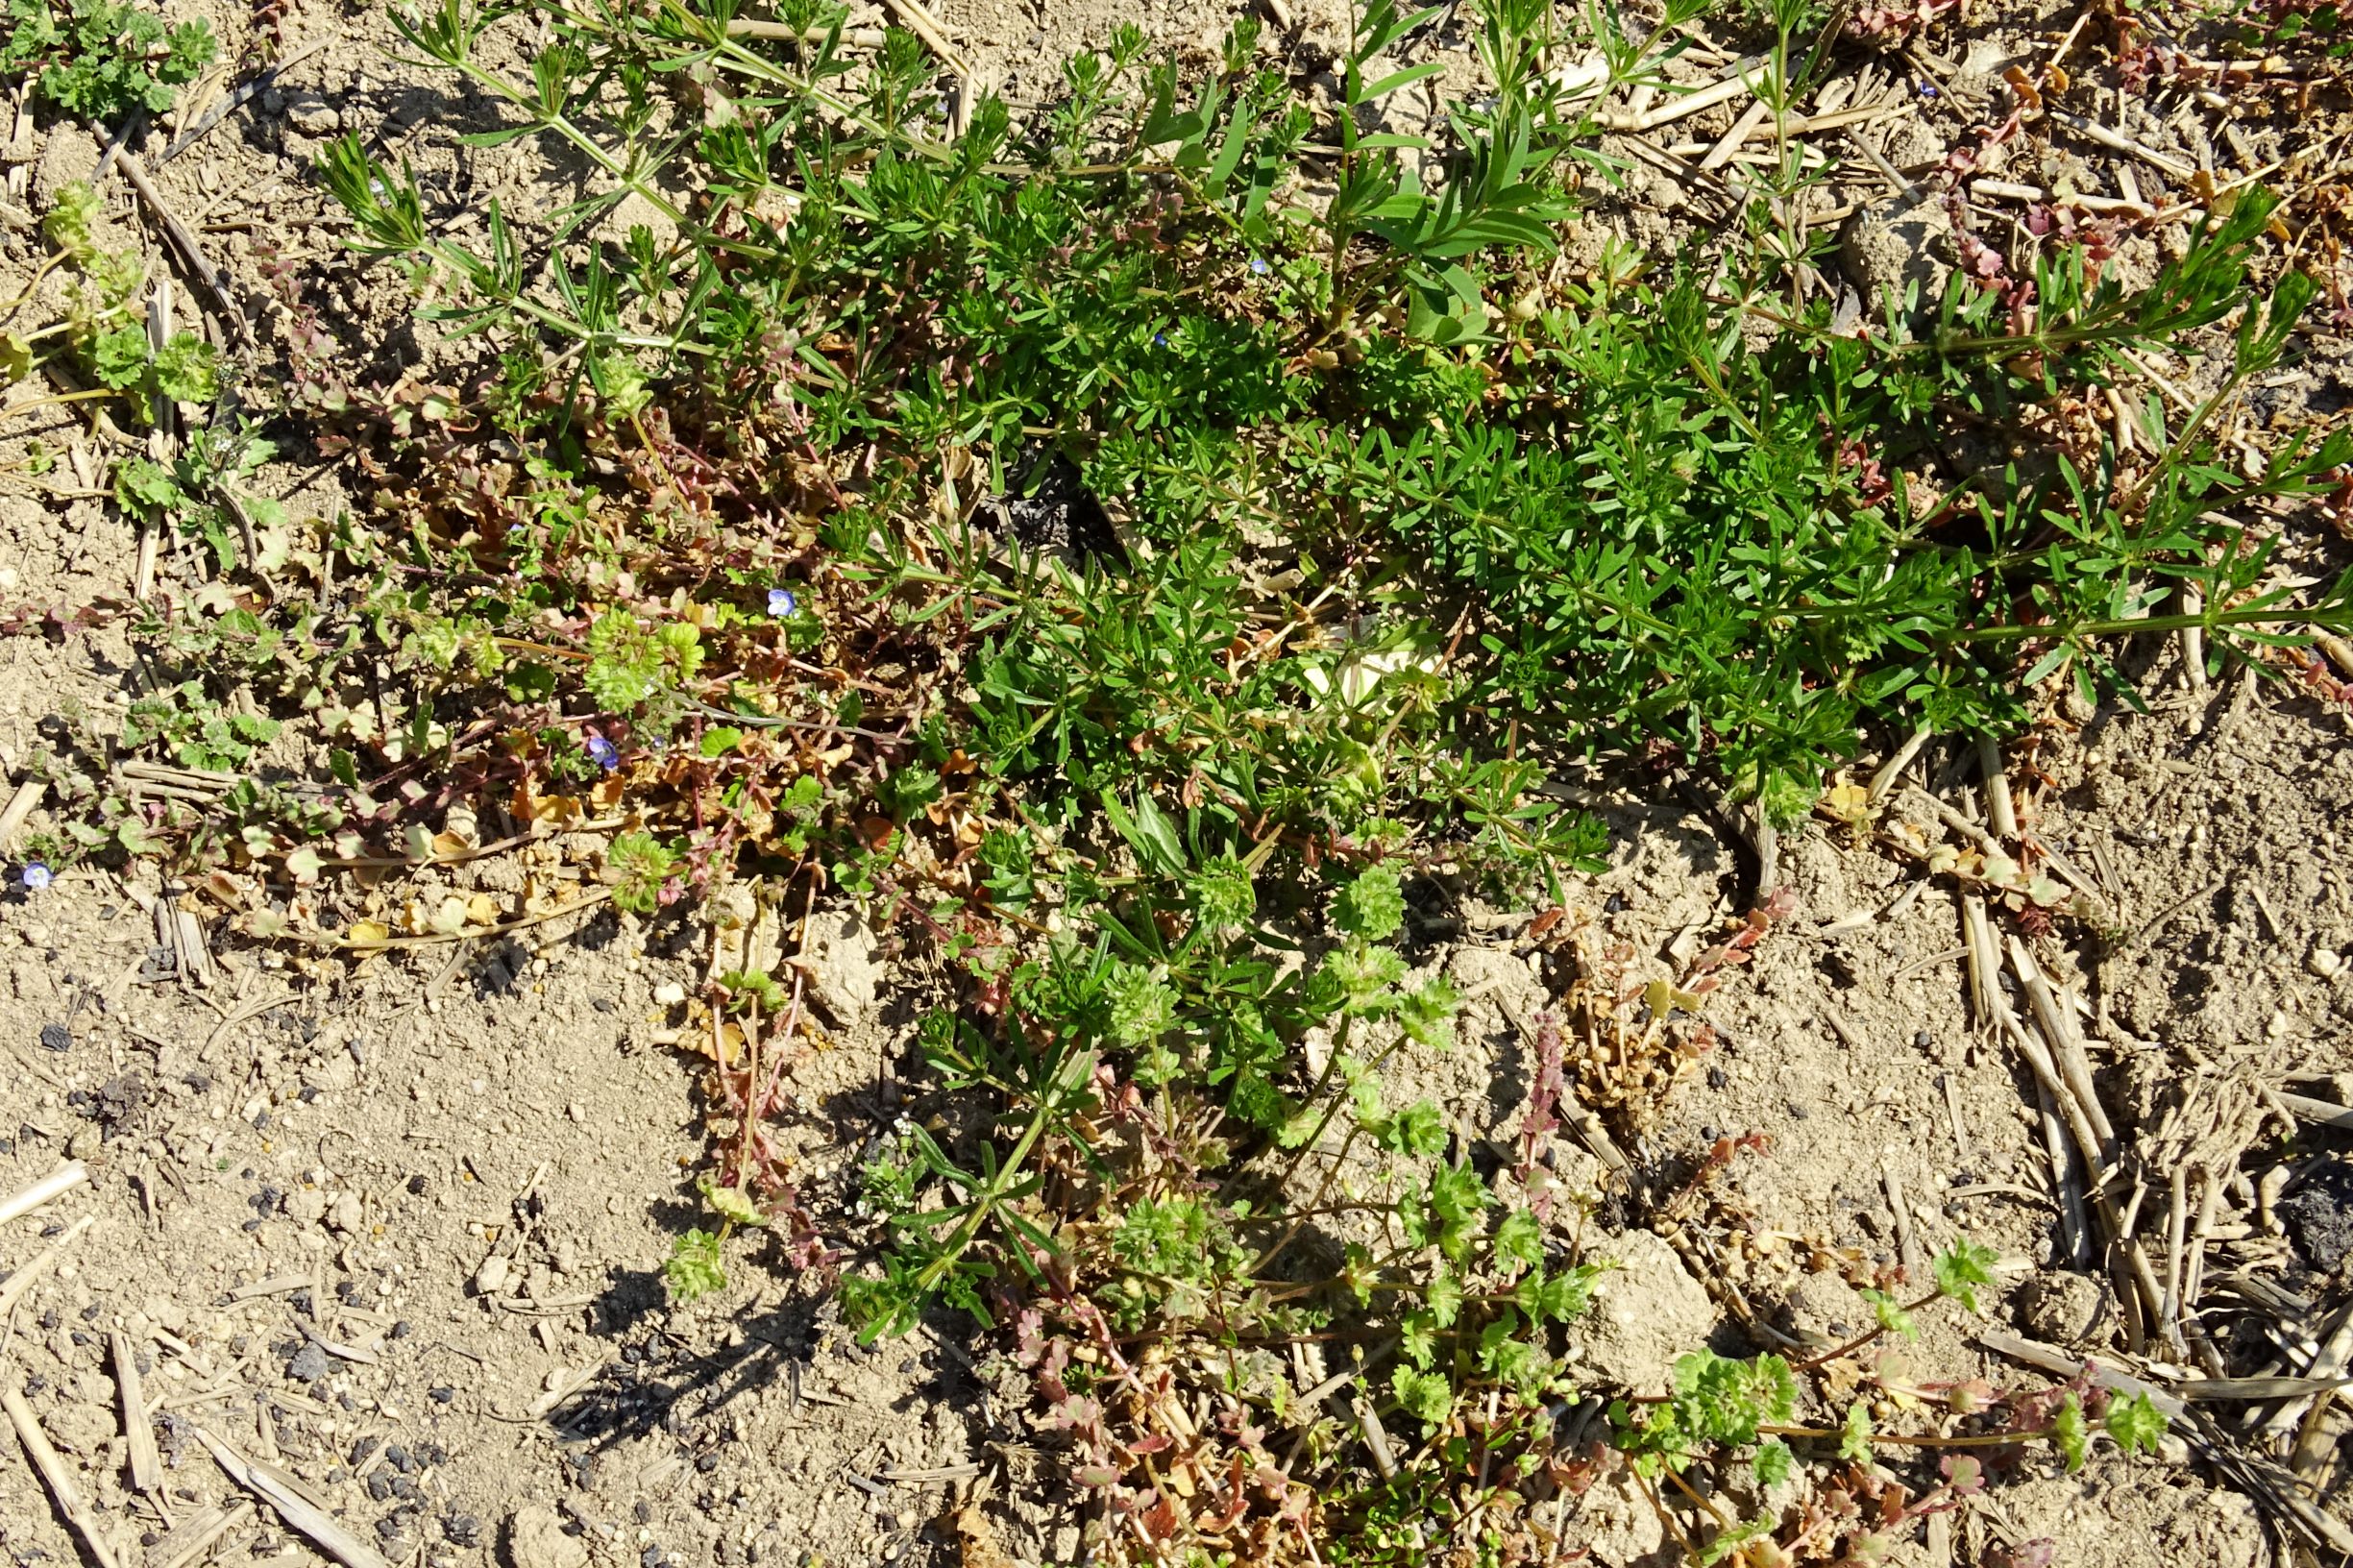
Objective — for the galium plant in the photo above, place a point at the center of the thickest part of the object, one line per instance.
(1440, 494)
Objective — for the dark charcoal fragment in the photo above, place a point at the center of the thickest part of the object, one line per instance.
(120, 1100)
(1049, 509)
(57, 1037)
(2319, 1214)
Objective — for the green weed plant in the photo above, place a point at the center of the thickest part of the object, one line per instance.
(1366, 511)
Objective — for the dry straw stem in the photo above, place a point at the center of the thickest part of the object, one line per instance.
(1990, 1010)
(1742, 80)
(24, 1279)
(1756, 115)
(925, 26)
(2060, 1363)
(59, 1478)
(2316, 1441)
(2000, 809)
(146, 1464)
(856, 38)
(215, 281)
(1954, 820)
(2059, 1028)
(2330, 1361)
(546, 1403)
(1984, 962)
(20, 806)
(198, 786)
(281, 1492)
(194, 1536)
(2116, 142)
(259, 84)
(1987, 191)
(1893, 768)
(2267, 1482)
(2078, 1114)
(1376, 1438)
(2320, 1113)
(67, 1177)
(1907, 1245)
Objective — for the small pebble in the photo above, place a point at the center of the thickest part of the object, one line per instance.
(491, 1278)
(668, 993)
(56, 1037)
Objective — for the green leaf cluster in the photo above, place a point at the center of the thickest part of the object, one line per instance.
(103, 59)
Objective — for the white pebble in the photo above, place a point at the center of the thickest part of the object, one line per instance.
(668, 993)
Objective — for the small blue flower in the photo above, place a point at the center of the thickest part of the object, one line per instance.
(1160, 340)
(36, 876)
(781, 603)
(1927, 89)
(607, 755)
(1257, 265)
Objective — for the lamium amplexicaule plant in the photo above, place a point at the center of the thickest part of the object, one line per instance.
(1159, 552)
